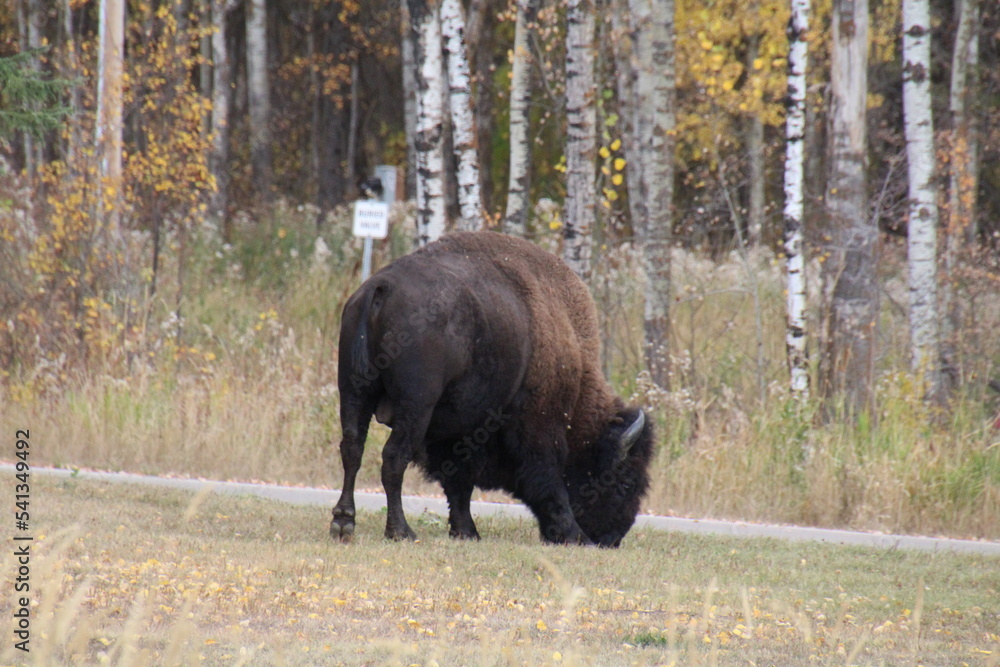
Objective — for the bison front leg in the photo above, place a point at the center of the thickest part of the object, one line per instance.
(555, 520)
(540, 485)
(459, 492)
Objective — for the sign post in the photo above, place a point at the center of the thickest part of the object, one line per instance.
(371, 221)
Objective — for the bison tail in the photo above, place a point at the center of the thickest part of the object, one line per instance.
(360, 355)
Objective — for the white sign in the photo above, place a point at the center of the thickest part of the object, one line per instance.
(371, 219)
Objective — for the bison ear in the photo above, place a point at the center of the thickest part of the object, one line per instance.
(631, 435)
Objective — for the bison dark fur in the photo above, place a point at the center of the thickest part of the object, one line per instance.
(481, 352)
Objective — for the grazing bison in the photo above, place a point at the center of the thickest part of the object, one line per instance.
(480, 351)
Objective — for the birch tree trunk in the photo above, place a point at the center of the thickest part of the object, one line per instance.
(431, 205)
(516, 217)
(259, 98)
(353, 122)
(480, 28)
(581, 137)
(32, 28)
(654, 118)
(460, 105)
(850, 292)
(923, 212)
(408, 54)
(108, 139)
(71, 64)
(963, 179)
(795, 126)
(755, 160)
(221, 89)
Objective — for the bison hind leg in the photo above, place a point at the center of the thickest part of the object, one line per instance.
(355, 415)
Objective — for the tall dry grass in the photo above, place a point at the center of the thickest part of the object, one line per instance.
(233, 375)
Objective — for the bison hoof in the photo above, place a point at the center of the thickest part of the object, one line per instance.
(554, 535)
(464, 534)
(400, 533)
(342, 526)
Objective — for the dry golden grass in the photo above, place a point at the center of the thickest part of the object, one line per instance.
(141, 576)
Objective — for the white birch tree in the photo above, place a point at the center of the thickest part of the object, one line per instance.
(221, 86)
(923, 211)
(259, 98)
(408, 55)
(429, 64)
(32, 27)
(755, 159)
(353, 122)
(962, 179)
(581, 137)
(460, 106)
(795, 126)
(850, 291)
(654, 111)
(963, 176)
(108, 139)
(516, 217)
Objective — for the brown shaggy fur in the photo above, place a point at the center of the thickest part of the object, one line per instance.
(565, 367)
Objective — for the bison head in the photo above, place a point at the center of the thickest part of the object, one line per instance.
(605, 489)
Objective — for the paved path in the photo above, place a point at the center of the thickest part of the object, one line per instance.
(417, 505)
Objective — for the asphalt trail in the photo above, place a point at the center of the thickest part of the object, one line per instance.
(415, 505)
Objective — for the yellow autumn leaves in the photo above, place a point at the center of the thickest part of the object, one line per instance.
(731, 64)
(613, 170)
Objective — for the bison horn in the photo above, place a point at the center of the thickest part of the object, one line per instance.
(631, 434)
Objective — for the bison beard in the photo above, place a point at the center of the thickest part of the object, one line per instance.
(481, 352)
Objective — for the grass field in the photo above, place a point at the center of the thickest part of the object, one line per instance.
(137, 576)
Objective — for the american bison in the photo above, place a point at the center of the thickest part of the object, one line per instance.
(481, 352)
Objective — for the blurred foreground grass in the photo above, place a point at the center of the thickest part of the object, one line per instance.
(142, 576)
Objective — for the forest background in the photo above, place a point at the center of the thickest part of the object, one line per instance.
(177, 246)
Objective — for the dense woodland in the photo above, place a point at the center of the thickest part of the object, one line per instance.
(659, 124)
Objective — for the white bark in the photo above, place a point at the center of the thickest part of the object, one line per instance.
(460, 105)
(652, 27)
(108, 139)
(516, 216)
(431, 205)
(963, 179)
(259, 97)
(923, 218)
(72, 50)
(756, 175)
(850, 290)
(221, 85)
(353, 121)
(755, 160)
(408, 54)
(795, 126)
(35, 13)
(581, 137)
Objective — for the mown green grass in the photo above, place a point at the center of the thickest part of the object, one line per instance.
(144, 576)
